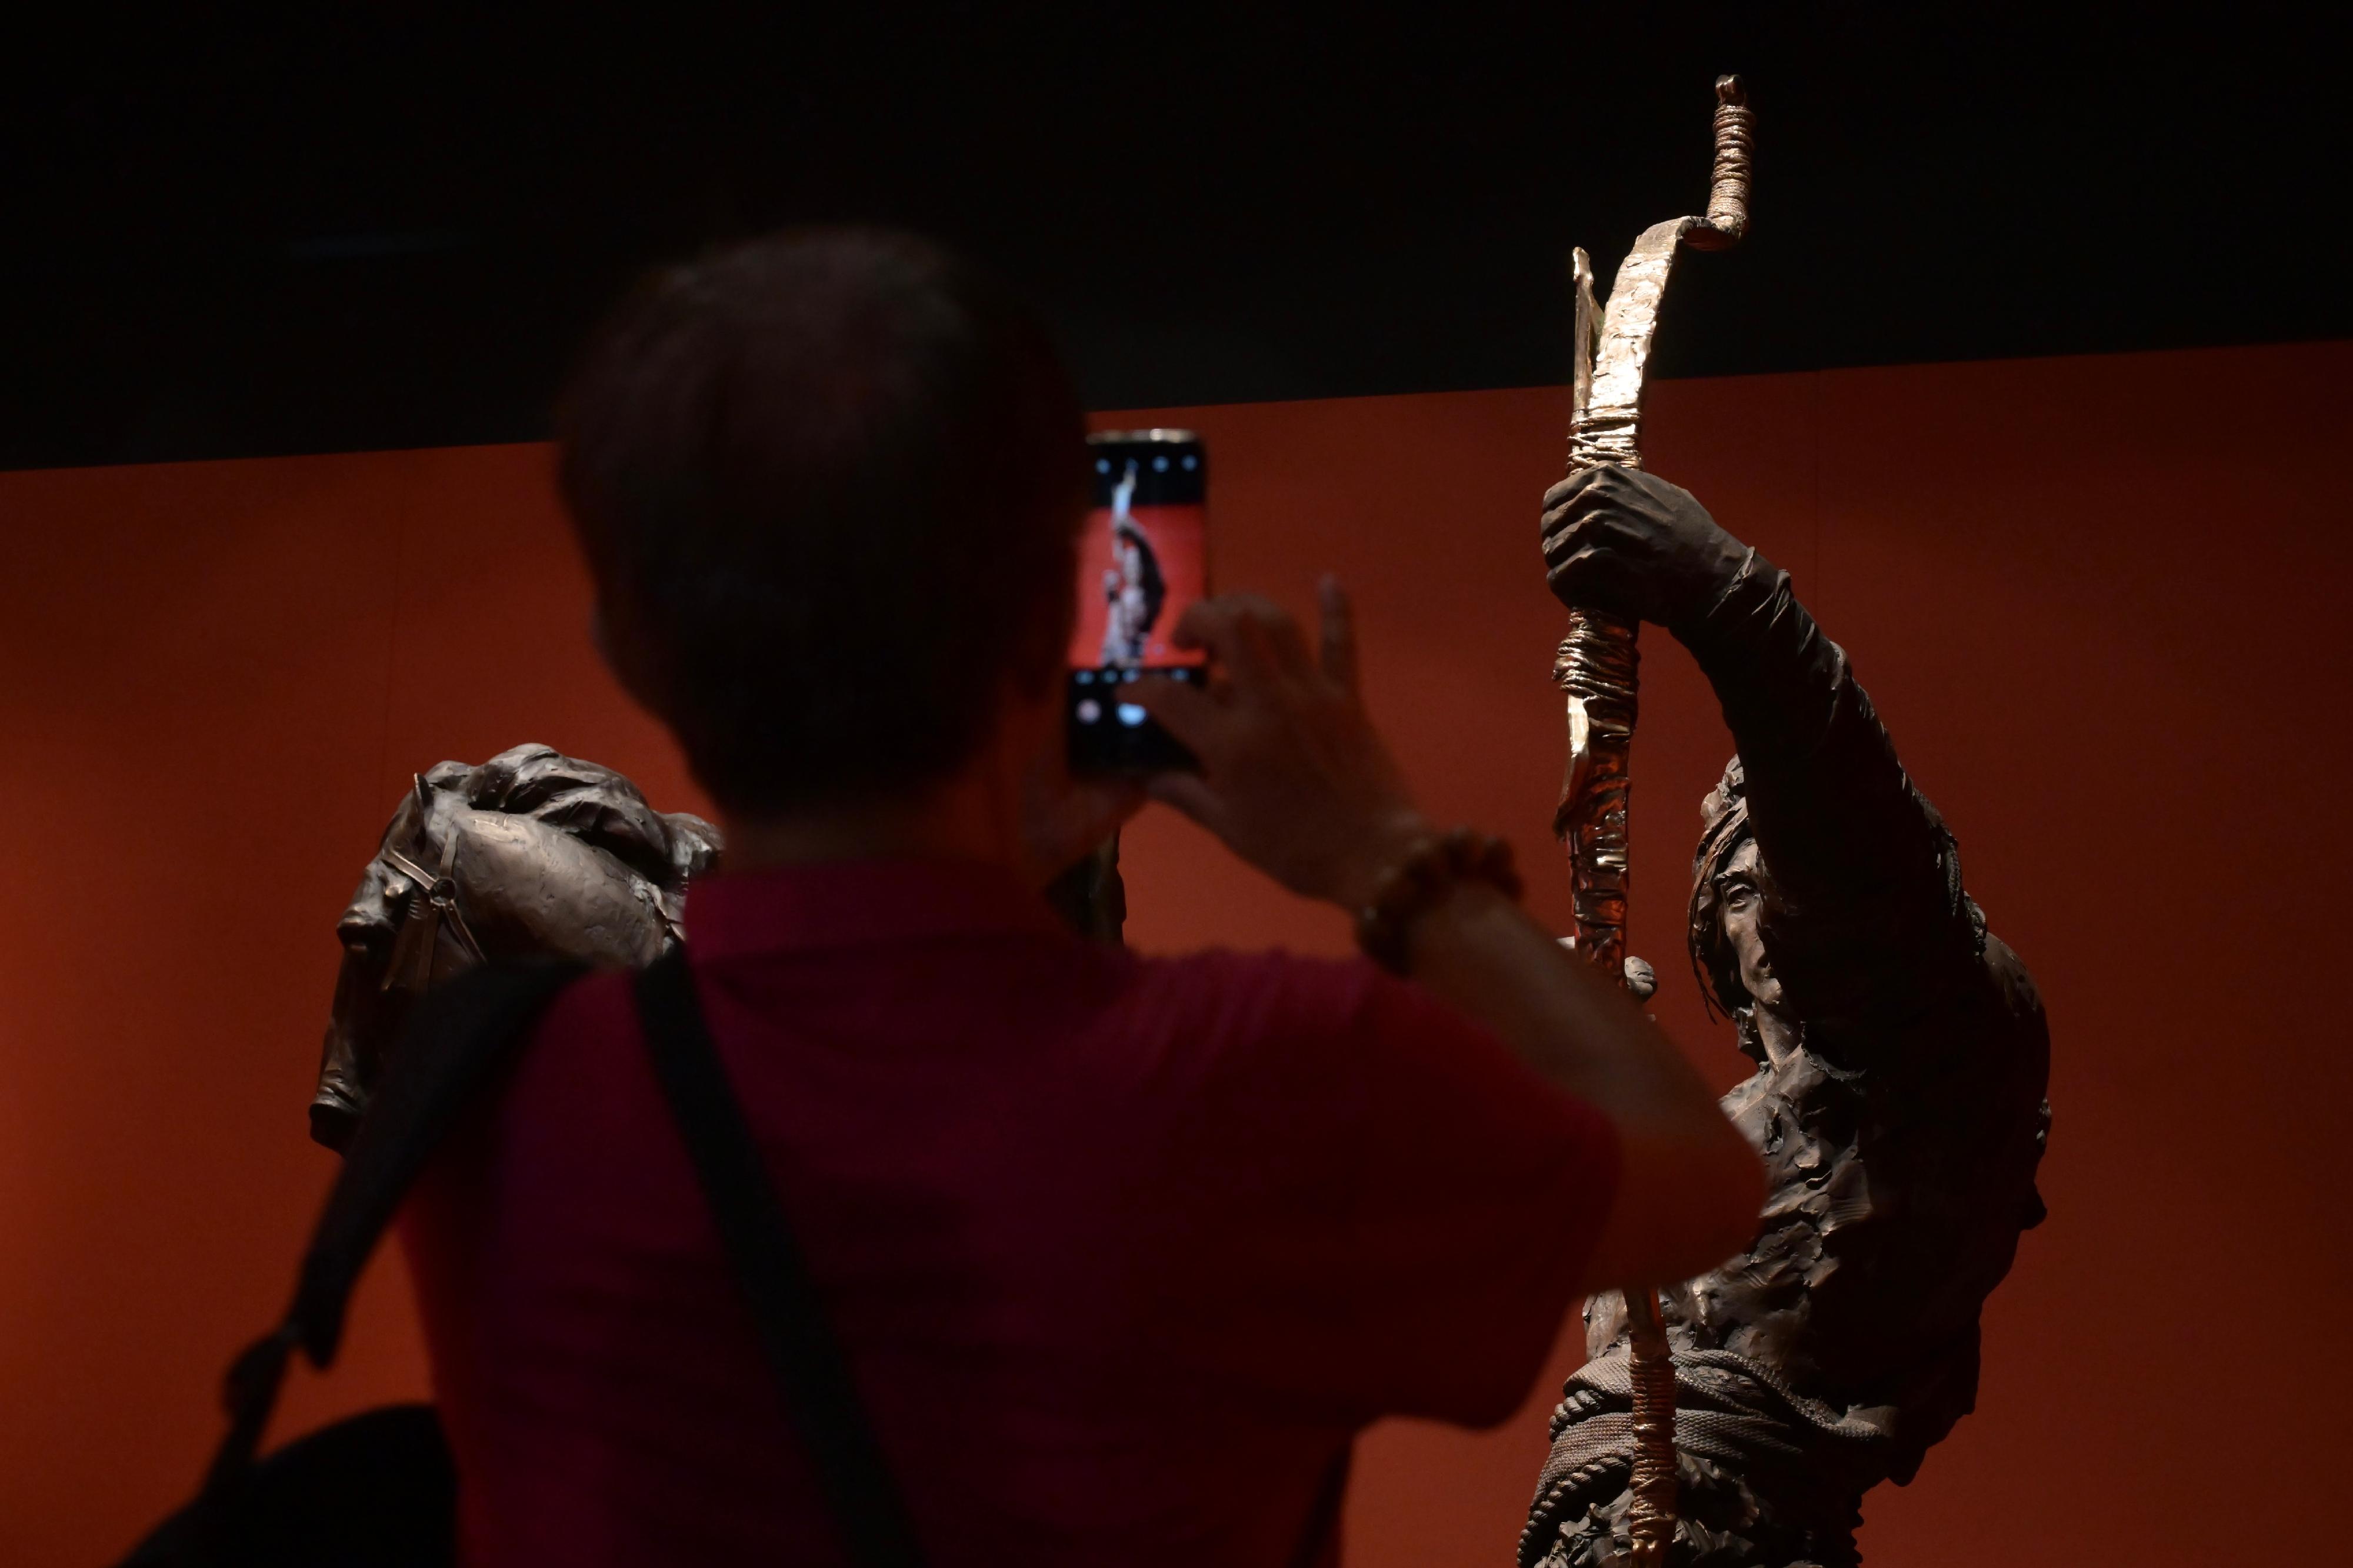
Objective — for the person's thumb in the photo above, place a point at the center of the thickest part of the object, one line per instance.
(1064, 819)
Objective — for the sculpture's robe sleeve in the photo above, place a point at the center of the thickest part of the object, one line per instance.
(1904, 1138)
(1867, 921)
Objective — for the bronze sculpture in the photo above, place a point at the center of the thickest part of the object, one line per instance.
(537, 854)
(531, 854)
(1901, 1058)
(1901, 1050)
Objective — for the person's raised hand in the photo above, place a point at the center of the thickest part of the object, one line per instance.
(1628, 543)
(1294, 776)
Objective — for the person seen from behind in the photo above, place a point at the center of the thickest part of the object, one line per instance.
(1122, 1251)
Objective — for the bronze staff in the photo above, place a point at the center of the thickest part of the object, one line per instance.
(1596, 666)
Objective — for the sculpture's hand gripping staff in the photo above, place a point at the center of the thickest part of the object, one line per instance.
(1595, 667)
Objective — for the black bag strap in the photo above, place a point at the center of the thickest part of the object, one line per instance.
(813, 1376)
(460, 1036)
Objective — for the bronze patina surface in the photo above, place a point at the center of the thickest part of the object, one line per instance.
(1898, 1102)
(533, 854)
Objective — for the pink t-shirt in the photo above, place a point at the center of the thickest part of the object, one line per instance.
(1123, 1250)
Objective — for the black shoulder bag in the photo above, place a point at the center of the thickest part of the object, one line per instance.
(378, 1490)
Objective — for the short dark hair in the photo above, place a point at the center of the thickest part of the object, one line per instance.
(829, 485)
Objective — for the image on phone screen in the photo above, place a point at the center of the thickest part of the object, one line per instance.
(1143, 561)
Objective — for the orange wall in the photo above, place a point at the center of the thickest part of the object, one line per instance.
(2099, 601)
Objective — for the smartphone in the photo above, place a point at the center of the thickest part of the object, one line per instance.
(1143, 561)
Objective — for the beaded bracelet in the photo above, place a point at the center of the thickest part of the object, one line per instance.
(1422, 879)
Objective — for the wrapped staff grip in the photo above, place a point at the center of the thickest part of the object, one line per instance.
(1727, 189)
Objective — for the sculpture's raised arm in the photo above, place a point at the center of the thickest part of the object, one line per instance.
(1864, 903)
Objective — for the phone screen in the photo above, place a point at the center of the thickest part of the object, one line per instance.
(1143, 561)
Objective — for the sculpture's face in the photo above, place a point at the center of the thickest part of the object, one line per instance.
(1740, 904)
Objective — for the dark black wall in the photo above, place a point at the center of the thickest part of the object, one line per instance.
(370, 226)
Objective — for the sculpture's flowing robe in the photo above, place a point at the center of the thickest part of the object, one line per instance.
(1901, 1139)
